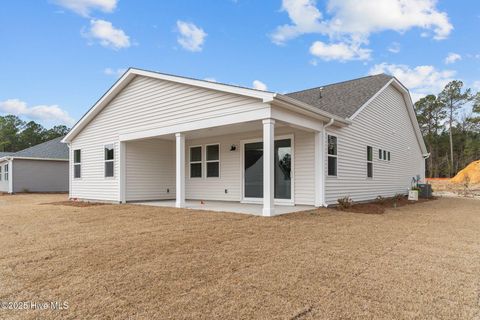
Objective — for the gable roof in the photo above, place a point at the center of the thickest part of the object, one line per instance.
(52, 149)
(344, 98)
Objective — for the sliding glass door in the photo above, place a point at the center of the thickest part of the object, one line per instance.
(253, 169)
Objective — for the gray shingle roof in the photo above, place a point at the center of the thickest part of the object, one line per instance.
(343, 98)
(53, 149)
(4, 154)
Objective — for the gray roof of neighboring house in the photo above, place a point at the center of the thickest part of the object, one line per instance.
(53, 149)
(344, 98)
(4, 154)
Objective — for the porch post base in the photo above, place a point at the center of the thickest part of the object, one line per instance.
(268, 212)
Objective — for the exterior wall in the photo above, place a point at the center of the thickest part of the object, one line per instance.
(143, 104)
(150, 170)
(384, 124)
(3, 183)
(231, 167)
(40, 176)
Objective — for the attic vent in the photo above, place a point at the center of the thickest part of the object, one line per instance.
(320, 93)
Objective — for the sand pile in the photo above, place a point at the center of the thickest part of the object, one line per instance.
(471, 171)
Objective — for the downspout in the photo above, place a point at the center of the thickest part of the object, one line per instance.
(324, 155)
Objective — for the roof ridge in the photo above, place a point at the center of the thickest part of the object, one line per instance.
(341, 82)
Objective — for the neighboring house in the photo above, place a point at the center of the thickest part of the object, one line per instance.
(157, 136)
(41, 168)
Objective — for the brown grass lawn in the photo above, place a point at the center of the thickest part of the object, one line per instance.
(134, 262)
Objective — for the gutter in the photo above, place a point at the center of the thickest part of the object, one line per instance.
(324, 155)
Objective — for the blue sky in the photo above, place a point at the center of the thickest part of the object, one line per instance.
(59, 56)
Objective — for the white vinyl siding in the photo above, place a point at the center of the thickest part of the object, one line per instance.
(384, 124)
(144, 104)
(150, 170)
(231, 167)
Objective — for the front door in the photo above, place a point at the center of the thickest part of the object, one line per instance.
(253, 169)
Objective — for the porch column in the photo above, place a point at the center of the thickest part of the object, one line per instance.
(180, 170)
(122, 174)
(319, 168)
(268, 167)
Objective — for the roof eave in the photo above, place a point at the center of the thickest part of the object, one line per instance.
(296, 105)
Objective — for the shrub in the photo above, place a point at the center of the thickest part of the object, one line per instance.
(345, 203)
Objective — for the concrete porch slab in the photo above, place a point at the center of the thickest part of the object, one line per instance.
(227, 206)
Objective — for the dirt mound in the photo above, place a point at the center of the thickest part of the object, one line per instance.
(472, 172)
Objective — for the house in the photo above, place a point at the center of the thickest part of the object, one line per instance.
(156, 136)
(41, 168)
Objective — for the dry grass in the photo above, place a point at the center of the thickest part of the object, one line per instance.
(420, 261)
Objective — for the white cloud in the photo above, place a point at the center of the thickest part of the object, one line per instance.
(394, 47)
(259, 85)
(351, 22)
(114, 72)
(107, 35)
(84, 7)
(452, 58)
(420, 80)
(339, 51)
(52, 114)
(191, 37)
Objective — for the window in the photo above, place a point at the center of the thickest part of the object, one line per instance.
(384, 155)
(5, 170)
(369, 162)
(332, 155)
(109, 161)
(0, 173)
(380, 154)
(196, 162)
(388, 155)
(213, 160)
(77, 166)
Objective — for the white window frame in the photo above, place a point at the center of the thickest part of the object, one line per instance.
(331, 155)
(77, 164)
(105, 161)
(370, 162)
(210, 161)
(288, 202)
(190, 162)
(6, 171)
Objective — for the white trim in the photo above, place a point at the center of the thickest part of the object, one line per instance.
(288, 202)
(10, 176)
(122, 175)
(105, 161)
(319, 168)
(180, 170)
(332, 155)
(77, 163)
(195, 162)
(210, 161)
(268, 167)
(30, 158)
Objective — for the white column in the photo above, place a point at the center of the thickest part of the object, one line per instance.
(122, 175)
(268, 167)
(180, 170)
(319, 170)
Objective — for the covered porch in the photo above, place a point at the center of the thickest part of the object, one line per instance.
(263, 167)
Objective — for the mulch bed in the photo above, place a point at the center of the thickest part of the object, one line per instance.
(380, 206)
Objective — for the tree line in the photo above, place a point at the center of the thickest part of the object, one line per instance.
(17, 134)
(452, 137)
